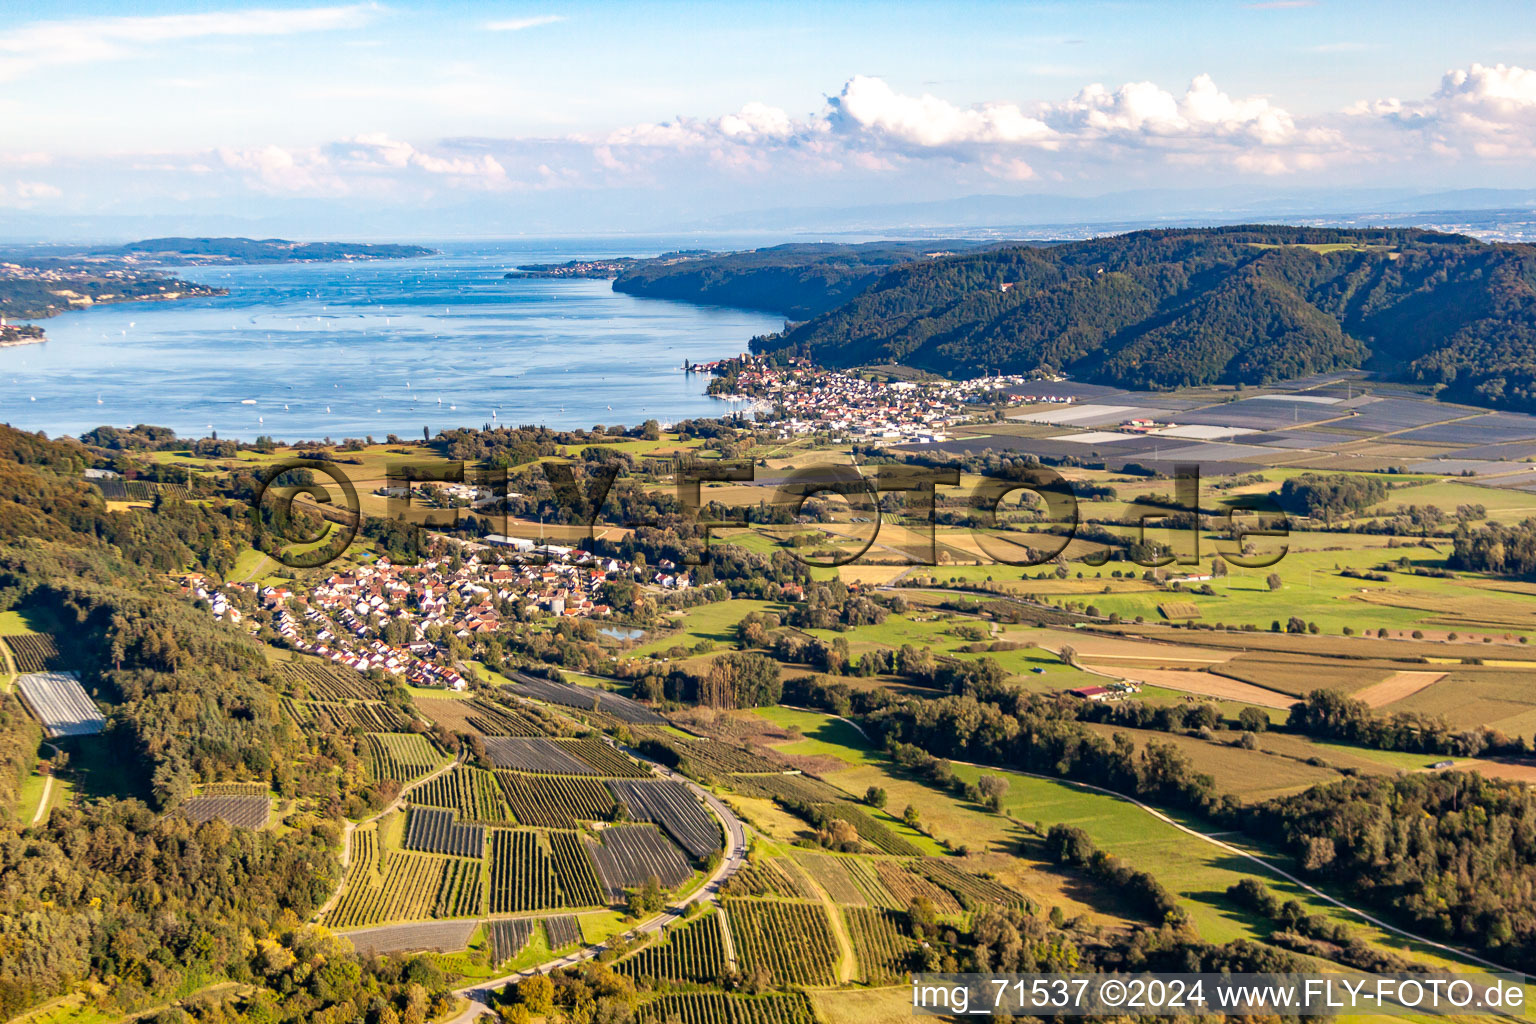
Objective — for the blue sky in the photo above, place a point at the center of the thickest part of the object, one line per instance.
(112, 108)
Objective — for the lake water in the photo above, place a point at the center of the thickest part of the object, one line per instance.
(313, 350)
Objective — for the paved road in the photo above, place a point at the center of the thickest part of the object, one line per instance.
(481, 993)
(42, 805)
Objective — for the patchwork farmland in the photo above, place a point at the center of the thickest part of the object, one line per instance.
(881, 945)
(672, 806)
(383, 886)
(436, 936)
(561, 930)
(693, 951)
(522, 872)
(329, 716)
(769, 878)
(605, 759)
(437, 831)
(554, 801)
(574, 870)
(400, 756)
(477, 715)
(538, 756)
(792, 940)
(239, 811)
(586, 699)
(628, 855)
(471, 792)
(311, 679)
(508, 937)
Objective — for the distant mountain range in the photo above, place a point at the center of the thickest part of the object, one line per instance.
(689, 219)
(254, 250)
(1165, 309)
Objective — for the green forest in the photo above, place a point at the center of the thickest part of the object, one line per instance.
(1175, 308)
(799, 280)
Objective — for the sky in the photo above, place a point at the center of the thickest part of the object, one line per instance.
(643, 116)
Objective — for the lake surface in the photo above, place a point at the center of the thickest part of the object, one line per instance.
(313, 350)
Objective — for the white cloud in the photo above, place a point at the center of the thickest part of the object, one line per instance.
(379, 150)
(1134, 134)
(275, 169)
(37, 190)
(870, 106)
(869, 125)
(1144, 109)
(48, 43)
(1478, 112)
(518, 24)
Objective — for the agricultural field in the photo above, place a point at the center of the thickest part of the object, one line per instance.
(235, 789)
(765, 876)
(402, 757)
(723, 758)
(973, 891)
(538, 756)
(522, 872)
(561, 930)
(881, 944)
(574, 870)
(586, 698)
(313, 679)
(628, 855)
(828, 872)
(60, 703)
(477, 715)
(470, 792)
(905, 883)
(1499, 696)
(793, 940)
(437, 831)
(718, 1008)
(33, 652)
(605, 759)
(692, 952)
(674, 807)
(384, 886)
(508, 936)
(318, 716)
(554, 801)
(1250, 775)
(239, 811)
(436, 936)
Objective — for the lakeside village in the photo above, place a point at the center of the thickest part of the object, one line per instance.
(801, 399)
(384, 616)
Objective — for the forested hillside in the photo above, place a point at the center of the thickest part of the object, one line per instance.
(1165, 309)
(797, 280)
(110, 891)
